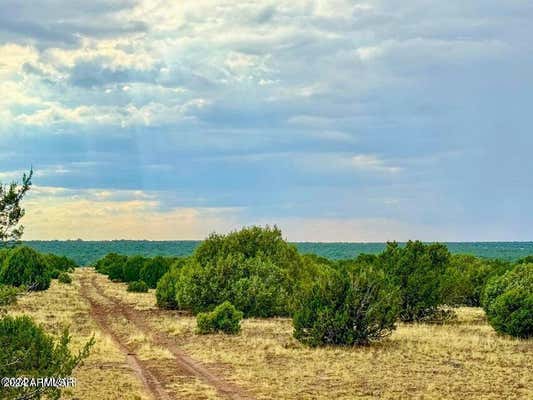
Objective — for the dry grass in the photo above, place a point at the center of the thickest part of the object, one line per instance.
(464, 359)
(105, 374)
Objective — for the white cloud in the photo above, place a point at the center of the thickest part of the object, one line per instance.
(372, 163)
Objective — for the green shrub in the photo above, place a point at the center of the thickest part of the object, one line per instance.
(257, 287)
(4, 252)
(64, 278)
(526, 260)
(112, 265)
(419, 270)
(28, 351)
(508, 302)
(54, 274)
(255, 269)
(138, 286)
(153, 269)
(224, 318)
(466, 278)
(132, 268)
(349, 307)
(166, 289)
(8, 294)
(24, 266)
(60, 263)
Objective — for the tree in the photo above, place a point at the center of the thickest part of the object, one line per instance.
(153, 269)
(27, 350)
(132, 268)
(350, 307)
(419, 270)
(11, 211)
(24, 266)
(508, 301)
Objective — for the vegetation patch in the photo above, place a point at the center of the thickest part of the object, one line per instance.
(508, 302)
(28, 351)
(64, 278)
(225, 318)
(348, 308)
(24, 266)
(137, 286)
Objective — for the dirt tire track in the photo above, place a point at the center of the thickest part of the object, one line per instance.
(184, 364)
(150, 382)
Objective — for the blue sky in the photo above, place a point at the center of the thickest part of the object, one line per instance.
(336, 120)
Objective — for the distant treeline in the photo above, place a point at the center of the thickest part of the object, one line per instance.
(88, 252)
(254, 272)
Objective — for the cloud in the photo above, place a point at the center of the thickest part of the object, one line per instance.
(286, 109)
(106, 214)
(370, 162)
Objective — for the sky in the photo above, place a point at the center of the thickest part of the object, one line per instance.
(335, 120)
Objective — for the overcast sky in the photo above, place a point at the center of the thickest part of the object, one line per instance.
(336, 120)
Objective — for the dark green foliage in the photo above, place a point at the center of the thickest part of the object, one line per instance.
(525, 260)
(132, 268)
(153, 269)
(26, 350)
(60, 263)
(24, 266)
(54, 274)
(254, 268)
(224, 318)
(11, 211)
(419, 270)
(3, 255)
(138, 286)
(467, 276)
(112, 265)
(508, 302)
(64, 278)
(9, 294)
(166, 289)
(257, 287)
(348, 307)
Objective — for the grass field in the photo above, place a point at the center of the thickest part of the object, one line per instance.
(142, 352)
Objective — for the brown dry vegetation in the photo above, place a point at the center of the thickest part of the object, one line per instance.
(465, 359)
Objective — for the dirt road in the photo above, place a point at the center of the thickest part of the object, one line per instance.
(157, 377)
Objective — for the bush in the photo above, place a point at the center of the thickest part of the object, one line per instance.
(351, 307)
(54, 274)
(60, 263)
(508, 302)
(8, 295)
(138, 286)
(64, 278)
(166, 289)
(257, 287)
(419, 270)
(526, 260)
(153, 269)
(466, 278)
(224, 318)
(254, 268)
(132, 268)
(28, 351)
(24, 266)
(112, 265)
